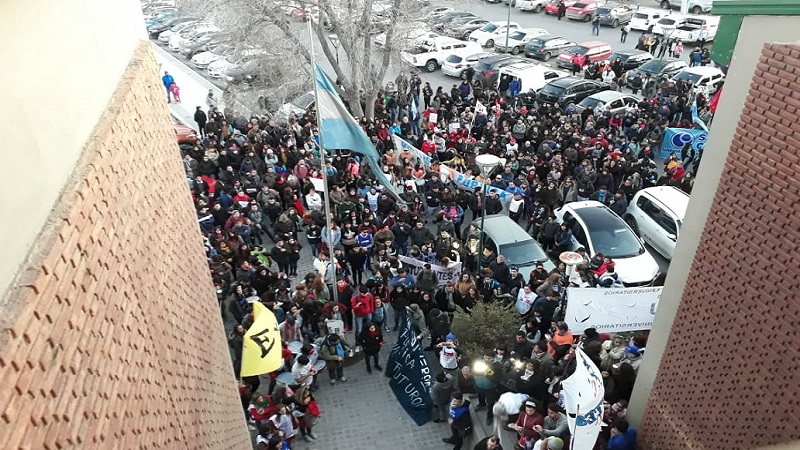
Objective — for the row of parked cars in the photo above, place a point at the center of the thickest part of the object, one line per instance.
(206, 45)
(654, 216)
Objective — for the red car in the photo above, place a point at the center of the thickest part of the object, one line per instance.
(582, 10)
(184, 134)
(552, 7)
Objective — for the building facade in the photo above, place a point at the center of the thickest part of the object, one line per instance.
(722, 366)
(110, 331)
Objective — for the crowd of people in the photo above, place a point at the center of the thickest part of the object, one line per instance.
(256, 186)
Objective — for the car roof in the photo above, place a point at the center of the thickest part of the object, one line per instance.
(702, 70)
(567, 81)
(592, 44)
(650, 11)
(670, 197)
(609, 96)
(549, 37)
(594, 213)
(502, 229)
(630, 52)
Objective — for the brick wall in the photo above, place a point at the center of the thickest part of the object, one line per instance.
(730, 376)
(112, 337)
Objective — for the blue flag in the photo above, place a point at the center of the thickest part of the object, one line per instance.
(339, 130)
(410, 376)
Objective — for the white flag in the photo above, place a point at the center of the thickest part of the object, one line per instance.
(583, 394)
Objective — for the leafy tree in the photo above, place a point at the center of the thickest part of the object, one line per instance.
(488, 325)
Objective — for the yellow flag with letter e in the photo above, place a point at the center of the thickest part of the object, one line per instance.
(262, 343)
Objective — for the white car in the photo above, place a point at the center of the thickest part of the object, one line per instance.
(203, 59)
(599, 230)
(298, 106)
(179, 40)
(644, 18)
(703, 78)
(431, 53)
(405, 39)
(656, 214)
(455, 65)
(518, 39)
(165, 36)
(692, 29)
(531, 5)
(487, 34)
(667, 24)
(217, 68)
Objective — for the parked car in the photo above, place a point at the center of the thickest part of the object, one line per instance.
(595, 50)
(706, 78)
(582, 10)
(461, 28)
(658, 68)
(184, 134)
(667, 24)
(435, 11)
(298, 106)
(615, 102)
(518, 39)
(569, 90)
(552, 7)
(455, 65)
(690, 29)
(599, 230)
(531, 75)
(203, 59)
(431, 53)
(202, 44)
(531, 5)
(614, 14)
(488, 69)
(443, 19)
(407, 40)
(695, 6)
(656, 215)
(492, 31)
(630, 59)
(507, 238)
(155, 30)
(165, 36)
(176, 41)
(544, 47)
(644, 19)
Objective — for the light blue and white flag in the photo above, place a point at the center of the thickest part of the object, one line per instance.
(582, 394)
(340, 131)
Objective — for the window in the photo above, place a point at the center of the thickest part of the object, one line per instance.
(615, 104)
(580, 235)
(550, 75)
(661, 218)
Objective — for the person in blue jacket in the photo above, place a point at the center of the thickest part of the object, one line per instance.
(622, 437)
(167, 80)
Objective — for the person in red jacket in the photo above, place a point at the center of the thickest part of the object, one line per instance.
(363, 304)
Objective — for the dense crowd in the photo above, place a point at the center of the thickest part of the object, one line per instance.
(256, 183)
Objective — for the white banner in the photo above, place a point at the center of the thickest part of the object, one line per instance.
(400, 144)
(469, 184)
(611, 310)
(582, 394)
(445, 274)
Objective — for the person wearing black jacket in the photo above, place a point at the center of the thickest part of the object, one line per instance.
(281, 255)
(200, 119)
(493, 205)
(372, 341)
(357, 258)
(398, 299)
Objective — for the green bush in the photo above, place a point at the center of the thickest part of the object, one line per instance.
(487, 326)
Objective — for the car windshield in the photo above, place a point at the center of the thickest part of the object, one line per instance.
(617, 242)
(518, 35)
(603, 10)
(667, 21)
(589, 102)
(577, 50)
(553, 90)
(454, 59)
(523, 253)
(489, 27)
(688, 76)
(641, 16)
(579, 5)
(536, 43)
(304, 100)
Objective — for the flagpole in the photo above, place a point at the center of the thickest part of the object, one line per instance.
(575, 428)
(324, 155)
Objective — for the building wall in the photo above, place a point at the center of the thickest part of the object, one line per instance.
(722, 367)
(62, 60)
(112, 336)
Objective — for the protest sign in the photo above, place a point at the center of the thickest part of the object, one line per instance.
(409, 375)
(611, 310)
(445, 274)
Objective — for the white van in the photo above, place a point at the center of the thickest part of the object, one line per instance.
(531, 75)
(431, 53)
(692, 29)
(656, 215)
(644, 18)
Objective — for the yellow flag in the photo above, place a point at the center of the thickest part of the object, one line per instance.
(262, 343)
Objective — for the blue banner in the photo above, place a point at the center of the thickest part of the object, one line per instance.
(676, 138)
(409, 375)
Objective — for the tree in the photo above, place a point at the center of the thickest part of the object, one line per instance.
(488, 325)
(358, 68)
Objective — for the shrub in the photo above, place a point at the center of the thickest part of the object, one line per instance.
(487, 326)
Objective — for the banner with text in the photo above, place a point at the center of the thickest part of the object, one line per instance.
(582, 394)
(445, 274)
(611, 310)
(409, 375)
(676, 138)
(468, 184)
(401, 145)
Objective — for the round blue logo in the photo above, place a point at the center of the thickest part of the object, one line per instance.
(681, 138)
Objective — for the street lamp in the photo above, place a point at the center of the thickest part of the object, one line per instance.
(508, 23)
(335, 43)
(486, 163)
